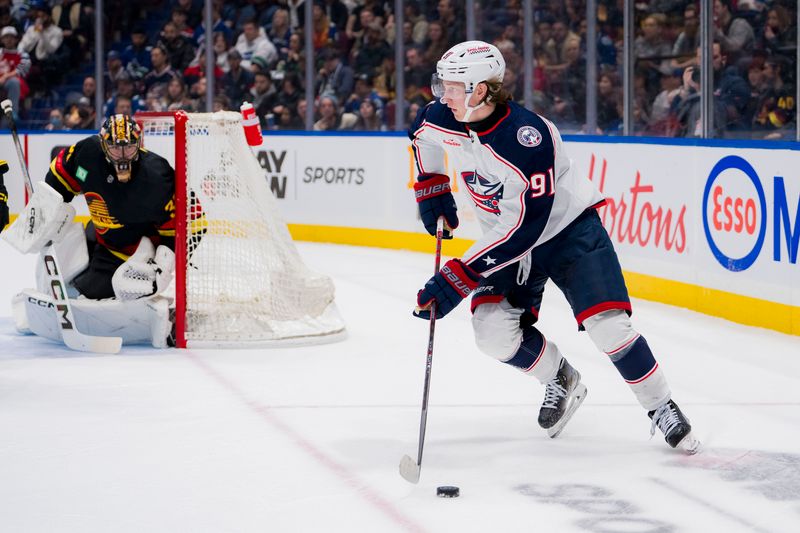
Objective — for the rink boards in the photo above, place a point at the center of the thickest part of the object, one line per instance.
(709, 225)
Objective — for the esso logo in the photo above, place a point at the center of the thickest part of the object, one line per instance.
(734, 213)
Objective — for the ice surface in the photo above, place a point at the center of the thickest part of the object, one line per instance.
(309, 439)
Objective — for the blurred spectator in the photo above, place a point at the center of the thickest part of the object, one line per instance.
(192, 10)
(279, 33)
(253, 42)
(555, 47)
(114, 70)
(138, 53)
(364, 90)
(329, 119)
(220, 103)
(158, 78)
(180, 18)
(416, 73)
(419, 24)
(662, 120)
(55, 121)
(368, 117)
(334, 78)
(88, 89)
(42, 40)
(302, 109)
(237, 81)
(80, 115)
(77, 24)
(218, 25)
(263, 94)
(609, 101)
(779, 35)
(14, 67)
(369, 57)
(179, 47)
(324, 34)
(197, 69)
(385, 82)
(259, 10)
(731, 95)
(178, 97)
(688, 39)
(436, 44)
(221, 52)
(735, 35)
(123, 106)
(296, 55)
(453, 19)
(337, 13)
(286, 119)
(776, 107)
(296, 13)
(652, 52)
(124, 88)
(290, 91)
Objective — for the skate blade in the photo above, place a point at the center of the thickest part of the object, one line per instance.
(689, 444)
(578, 395)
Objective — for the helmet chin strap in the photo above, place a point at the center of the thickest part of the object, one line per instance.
(470, 108)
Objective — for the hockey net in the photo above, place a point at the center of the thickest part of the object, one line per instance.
(239, 279)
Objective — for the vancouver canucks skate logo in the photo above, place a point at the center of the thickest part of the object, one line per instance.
(486, 194)
(529, 136)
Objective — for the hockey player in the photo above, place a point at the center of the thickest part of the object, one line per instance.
(129, 192)
(539, 222)
(3, 195)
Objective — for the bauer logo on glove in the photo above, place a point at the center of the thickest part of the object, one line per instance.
(454, 282)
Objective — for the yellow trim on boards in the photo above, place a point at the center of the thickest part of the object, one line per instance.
(733, 307)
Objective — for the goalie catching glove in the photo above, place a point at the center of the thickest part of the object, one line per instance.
(454, 282)
(145, 273)
(44, 220)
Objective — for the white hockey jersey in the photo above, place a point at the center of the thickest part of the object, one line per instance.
(518, 175)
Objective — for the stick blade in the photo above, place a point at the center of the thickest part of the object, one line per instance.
(409, 469)
(87, 343)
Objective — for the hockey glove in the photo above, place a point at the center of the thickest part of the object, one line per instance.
(435, 200)
(3, 196)
(147, 272)
(448, 287)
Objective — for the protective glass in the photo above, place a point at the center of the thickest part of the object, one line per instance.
(452, 90)
(122, 153)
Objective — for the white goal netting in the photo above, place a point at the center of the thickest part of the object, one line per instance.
(244, 280)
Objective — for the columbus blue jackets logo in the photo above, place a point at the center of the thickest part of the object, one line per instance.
(486, 194)
(529, 136)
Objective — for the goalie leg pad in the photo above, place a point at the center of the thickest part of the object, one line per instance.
(73, 258)
(144, 321)
(44, 219)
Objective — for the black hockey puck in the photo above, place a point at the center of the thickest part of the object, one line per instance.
(447, 492)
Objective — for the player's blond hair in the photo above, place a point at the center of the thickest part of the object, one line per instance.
(496, 93)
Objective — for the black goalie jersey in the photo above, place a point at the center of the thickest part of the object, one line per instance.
(122, 213)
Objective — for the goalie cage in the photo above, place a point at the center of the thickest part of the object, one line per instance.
(239, 280)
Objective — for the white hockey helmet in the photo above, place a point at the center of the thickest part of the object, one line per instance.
(470, 63)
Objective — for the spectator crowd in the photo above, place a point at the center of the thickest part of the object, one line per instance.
(156, 61)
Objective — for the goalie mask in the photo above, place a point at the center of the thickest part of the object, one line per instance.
(121, 139)
(470, 63)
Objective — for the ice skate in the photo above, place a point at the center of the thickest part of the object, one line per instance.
(562, 396)
(675, 427)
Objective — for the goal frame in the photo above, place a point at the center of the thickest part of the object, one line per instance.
(181, 119)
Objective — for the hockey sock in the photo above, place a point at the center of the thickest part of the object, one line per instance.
(536, 356)
(639, 368)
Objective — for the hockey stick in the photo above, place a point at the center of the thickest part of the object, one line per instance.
(73, 338)
(410, 469)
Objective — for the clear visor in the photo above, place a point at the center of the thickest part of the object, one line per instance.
(443, 89)
(122, 153)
